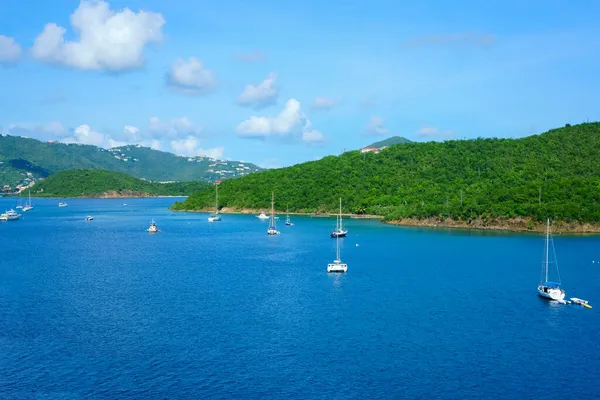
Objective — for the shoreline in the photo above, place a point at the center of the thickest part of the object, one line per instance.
(253, 211)
(501, 224)
(518, 225)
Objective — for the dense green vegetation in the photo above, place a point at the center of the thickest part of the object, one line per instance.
(390, 141)
(96, 182)
(494, 178)
(19, 155)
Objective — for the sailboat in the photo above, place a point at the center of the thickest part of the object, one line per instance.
(548, 289)
(215, 217)
(337, 265)
(272, 228)
(28, 206)
(19, 206)
(288, 222)
(339, 230)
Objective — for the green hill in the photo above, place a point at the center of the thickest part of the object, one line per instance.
(494, 178)
(23, 160)
(101, 183)
(390, 141)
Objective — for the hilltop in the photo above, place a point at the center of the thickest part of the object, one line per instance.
(101, 183)
(24, 160)
(389, 142)
(483, 182)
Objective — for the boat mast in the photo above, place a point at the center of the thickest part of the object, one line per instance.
(337, 247)
(273, 209)
(216, 199)
(547, 245)
(340, 217)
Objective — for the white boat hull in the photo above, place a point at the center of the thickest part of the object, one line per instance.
(337, 267)
(214, 219)
(551, 293)
(272, 232)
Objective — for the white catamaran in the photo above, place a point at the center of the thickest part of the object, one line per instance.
(549, 289)
(272, 228)
(339, 229)
(337, 265)
(215, 217)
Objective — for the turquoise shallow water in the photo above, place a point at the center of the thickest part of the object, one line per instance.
(102, 309)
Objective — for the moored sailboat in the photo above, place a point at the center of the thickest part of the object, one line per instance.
(339, 229)
(272, 228)
(337, 265)
(549, 289)
(215, 217)
(28, 206)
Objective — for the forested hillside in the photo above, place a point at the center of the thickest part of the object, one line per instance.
(95, 182)
(460, 179)
(23, 160)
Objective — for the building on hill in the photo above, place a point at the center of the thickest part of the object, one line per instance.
(369, 150)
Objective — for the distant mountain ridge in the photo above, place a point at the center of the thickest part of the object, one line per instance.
(390, 141)
(23, 160)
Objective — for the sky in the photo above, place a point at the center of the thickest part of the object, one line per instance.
(279, 83)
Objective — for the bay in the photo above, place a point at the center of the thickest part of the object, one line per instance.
(102, 309)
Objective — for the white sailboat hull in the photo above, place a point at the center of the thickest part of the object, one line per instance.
(337, 266)
(214, 218)
(551, 293)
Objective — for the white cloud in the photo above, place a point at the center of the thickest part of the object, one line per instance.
(250, 57)
(10, 51)
(311, 135)
(108, 40)
(435, 133)
(291, 121)
(190, 147)
(322, 103)
(176, 128)
(84, 134)
(375, 126)
(190, 77)
(282, 124)
(261, 95)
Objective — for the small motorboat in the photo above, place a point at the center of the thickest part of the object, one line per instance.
(263, 216)
(89, 218)
(581, 302)
(62, 204)
(153, 228)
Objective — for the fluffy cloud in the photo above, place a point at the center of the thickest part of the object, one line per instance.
(376, 127)
(282, 124)
(322, 103)
(10, 51)
(108, 40)
(435, 133)
(453, 39)
(190, 77)
(261, 95)
(310, 135)
(176, 128)
(84, 134)
(291, 121)
(190, 147)
(250, 57)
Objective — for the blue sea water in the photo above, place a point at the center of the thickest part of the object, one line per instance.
(102, 309)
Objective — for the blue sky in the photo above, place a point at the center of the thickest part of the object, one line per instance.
(277, 83)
